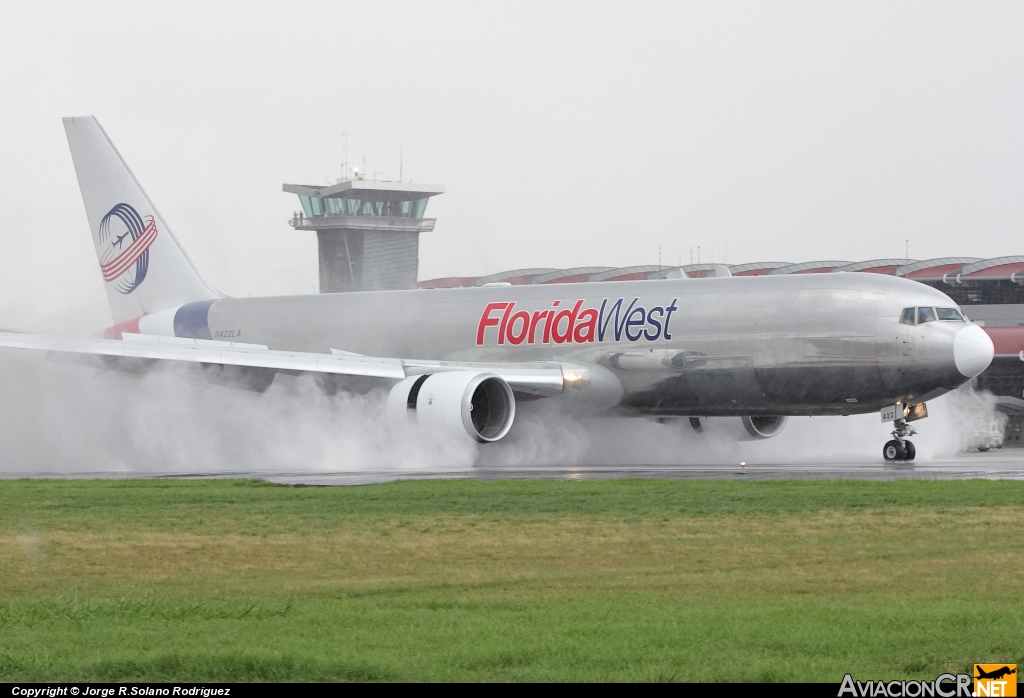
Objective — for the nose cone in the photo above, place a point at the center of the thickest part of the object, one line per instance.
(972, 350)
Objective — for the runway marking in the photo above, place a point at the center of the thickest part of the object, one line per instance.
(1003, 465)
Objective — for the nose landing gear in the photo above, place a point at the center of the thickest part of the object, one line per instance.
(900, 448)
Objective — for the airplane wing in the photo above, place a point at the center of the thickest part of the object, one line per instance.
(545, 378)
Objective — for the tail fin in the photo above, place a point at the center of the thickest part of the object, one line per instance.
(144, 268)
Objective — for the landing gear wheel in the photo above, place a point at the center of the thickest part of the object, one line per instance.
(900, 448)
(894, 451)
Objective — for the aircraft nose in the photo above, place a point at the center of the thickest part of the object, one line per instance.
(972, 350)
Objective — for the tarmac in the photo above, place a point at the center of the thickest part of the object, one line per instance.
(1006, 464)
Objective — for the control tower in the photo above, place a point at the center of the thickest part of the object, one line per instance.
(368, 232)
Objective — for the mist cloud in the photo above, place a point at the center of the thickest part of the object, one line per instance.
(58, 417)
(67, 418)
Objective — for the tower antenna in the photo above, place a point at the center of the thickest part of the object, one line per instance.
(400, 162)
(345, 174)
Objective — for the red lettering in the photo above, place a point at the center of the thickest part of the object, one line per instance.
(547, 324)
(504, 323)
(487, 321)
(511, 335)
(537, 316)
(589, 324)
(570, 317)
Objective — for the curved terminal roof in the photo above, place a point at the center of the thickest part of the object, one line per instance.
(649, 271)
(1000, 266)
(927, 270)
(757, 268)
(516, 277)
(449, 282)
(699, 271)
(1008, 341)
(568, 276)
(809, 268)
(934, 268)
(876, 266)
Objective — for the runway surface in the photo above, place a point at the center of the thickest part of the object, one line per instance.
(1007, 464)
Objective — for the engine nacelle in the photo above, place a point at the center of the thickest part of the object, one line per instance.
(457, 402)
(748, 428)
(763, 427)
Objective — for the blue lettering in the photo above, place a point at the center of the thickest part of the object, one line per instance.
(668, 316)
(636, 318)
(656, 324)
(634, 321)
(620, 319)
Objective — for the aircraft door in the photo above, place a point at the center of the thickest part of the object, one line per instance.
(905, 338)
(895, 347)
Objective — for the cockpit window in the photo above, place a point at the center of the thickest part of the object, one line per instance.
(915, 316)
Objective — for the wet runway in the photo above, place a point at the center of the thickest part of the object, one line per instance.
(1007, 464)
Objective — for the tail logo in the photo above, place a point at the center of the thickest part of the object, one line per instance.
(125, 262)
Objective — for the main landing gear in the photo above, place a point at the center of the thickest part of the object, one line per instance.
(900, 449)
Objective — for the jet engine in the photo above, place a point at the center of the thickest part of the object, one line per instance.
(762, 427)
(457, 402)
(748, 428)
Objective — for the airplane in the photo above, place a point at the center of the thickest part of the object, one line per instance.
(119, 239)
(752, 350)
(995, 674)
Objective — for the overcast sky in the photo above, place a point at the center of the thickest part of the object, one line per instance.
(566, 133)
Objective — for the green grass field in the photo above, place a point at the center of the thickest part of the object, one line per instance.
(643, 580)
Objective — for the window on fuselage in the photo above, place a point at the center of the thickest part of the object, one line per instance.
(949, 314)
(925, 315)
(908, 316)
